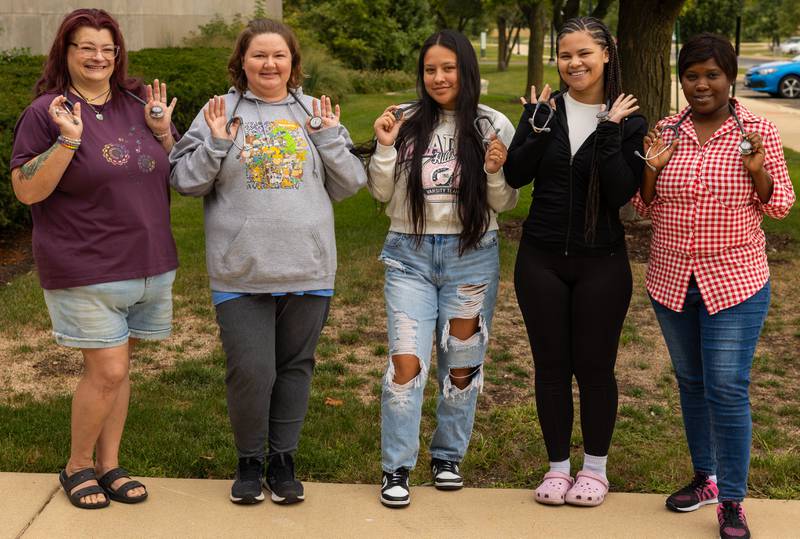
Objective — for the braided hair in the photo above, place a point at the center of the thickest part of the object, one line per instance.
(612, 87)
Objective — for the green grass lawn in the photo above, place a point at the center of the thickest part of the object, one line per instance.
(178, 423)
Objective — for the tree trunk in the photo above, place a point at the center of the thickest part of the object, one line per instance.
(536, 22)
(644, 40)
(646, 72)
(502, 44)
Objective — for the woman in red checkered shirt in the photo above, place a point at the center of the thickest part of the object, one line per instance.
(706, 189)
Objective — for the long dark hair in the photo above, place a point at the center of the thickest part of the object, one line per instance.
(55, 77)
(612, 87)
(416, 133)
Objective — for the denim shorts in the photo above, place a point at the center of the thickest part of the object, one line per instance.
(105, 315)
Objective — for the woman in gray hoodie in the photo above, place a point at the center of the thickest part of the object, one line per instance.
(267, 172)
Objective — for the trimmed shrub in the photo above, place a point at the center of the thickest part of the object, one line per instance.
(372, 82)
(17, 77)
(324, 75)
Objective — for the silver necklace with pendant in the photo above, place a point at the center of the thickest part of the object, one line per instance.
(97, 113)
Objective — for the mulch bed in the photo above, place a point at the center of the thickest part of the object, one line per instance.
(16, 255)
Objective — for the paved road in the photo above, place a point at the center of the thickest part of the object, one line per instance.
(741, 91)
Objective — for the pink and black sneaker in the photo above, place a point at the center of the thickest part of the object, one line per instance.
(701, 491)
(732, 523)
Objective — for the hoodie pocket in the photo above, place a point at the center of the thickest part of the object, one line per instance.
(268, 251)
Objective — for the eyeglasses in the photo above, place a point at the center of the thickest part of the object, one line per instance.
(87, 51)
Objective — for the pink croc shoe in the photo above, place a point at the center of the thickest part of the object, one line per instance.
(553, 488)
(589, 489)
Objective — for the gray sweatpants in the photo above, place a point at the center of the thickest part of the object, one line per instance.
(269, 344)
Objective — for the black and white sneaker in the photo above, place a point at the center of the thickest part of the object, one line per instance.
(394, 488)
(446, 475)
(246, 488)
(280, 481)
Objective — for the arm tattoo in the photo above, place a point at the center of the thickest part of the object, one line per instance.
(29, 169)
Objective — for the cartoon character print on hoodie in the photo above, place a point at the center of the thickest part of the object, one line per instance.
(274, 154)
(439, 178)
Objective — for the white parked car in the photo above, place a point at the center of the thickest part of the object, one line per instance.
(791, 45)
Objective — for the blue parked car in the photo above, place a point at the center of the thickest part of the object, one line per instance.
(776, 78)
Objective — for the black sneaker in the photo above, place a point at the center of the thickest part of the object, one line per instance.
(394, 488)
(701, 491)
(281, 482)
(246, 488)
(732, 523)
(446, 475)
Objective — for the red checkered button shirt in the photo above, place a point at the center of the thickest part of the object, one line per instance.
(707, 216)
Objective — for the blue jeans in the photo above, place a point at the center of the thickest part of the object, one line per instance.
(712, 356)
(426, 287)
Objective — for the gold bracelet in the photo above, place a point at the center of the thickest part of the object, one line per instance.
(162, 136)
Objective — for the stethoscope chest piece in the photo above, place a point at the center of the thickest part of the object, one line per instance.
(156, 112)
(745, 147)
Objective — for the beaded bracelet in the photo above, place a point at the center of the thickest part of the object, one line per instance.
(162, 136)
(69, 143)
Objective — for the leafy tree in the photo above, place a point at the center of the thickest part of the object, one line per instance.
(563, 10)
(771, 19)
(718, 16)
(535, 12)
(509, 20)
(456, 14)
(365, 34)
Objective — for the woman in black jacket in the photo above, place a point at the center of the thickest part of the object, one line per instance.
(572, 276)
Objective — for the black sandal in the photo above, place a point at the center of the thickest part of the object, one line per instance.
(81, 476)
(121, 494)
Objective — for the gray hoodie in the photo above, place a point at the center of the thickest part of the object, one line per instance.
(268, 212)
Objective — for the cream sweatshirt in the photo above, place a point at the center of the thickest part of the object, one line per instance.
(439, 183)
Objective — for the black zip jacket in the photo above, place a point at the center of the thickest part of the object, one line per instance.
(558, 211)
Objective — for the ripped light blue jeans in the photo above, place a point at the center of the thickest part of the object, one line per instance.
(426, 287)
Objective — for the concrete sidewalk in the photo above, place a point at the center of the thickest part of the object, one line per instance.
(33, 506)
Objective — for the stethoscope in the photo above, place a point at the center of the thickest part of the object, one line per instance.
(156, 111)
(479, 123)
(602, 116)
(745, 146)
(550, 114)
(315, 121)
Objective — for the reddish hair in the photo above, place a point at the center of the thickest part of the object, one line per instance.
(55, 77)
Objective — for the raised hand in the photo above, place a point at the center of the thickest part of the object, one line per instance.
(544, 97)
(214, 114)
(496, 154)
(754, 161)
(69, 123)
(330, 115)
(656, 146)
(623, 106)
(157, 96)
(387, 126)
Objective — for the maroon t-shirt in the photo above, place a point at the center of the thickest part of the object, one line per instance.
(108, 218)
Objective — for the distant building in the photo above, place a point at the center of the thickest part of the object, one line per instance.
(145, 23)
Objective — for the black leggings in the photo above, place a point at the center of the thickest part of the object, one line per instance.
(573, 309)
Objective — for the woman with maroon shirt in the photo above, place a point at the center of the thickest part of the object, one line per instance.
(714, 169)
(91, 161)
